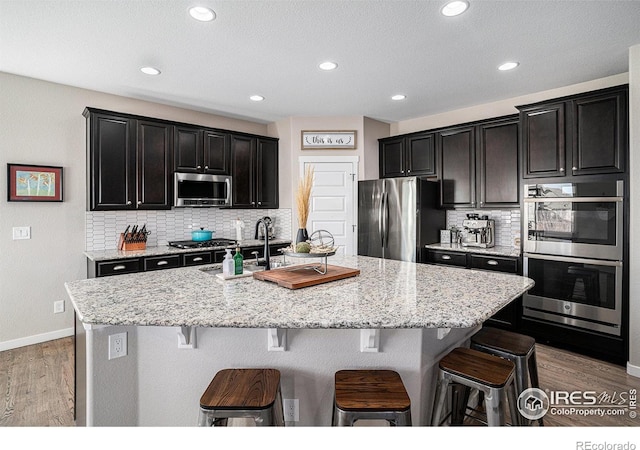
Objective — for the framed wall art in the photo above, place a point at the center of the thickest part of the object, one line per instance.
(32, 183)
(334, 140)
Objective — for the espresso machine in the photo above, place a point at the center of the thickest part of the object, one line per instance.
(478, 231)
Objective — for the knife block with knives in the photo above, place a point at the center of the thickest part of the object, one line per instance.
(136, 239)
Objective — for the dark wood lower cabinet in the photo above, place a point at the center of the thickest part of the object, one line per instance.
(121, 266)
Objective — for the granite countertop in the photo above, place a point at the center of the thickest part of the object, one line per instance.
(386, 294)
(104, 255)
(498, 250)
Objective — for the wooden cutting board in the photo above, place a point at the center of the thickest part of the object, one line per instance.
(296, 279)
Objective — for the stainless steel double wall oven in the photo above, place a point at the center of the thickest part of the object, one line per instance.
(573, 251)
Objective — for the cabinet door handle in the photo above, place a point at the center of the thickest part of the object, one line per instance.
(259, 203)
(446, 257)
(206, 167)
(162, 263)
(120, 267)
(492, 262)
(197, 259)
(253, 203)
(574, 168)
(409, 171)
(561, 169)
(129, 202)
(139, 202)
(198, 167)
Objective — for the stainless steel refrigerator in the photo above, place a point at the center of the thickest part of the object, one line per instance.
(397, 217)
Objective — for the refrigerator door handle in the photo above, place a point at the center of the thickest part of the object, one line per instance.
(385, 213)
(380, 225)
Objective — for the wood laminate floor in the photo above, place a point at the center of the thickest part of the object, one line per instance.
(36, 384)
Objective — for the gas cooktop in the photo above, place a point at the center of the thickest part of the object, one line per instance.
(217, 242)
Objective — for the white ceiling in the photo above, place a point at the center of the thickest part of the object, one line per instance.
(273, 48)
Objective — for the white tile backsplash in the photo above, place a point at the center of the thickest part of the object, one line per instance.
(102, 228)
(507, 223)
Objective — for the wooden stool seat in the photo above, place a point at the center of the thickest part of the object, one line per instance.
(507, 341)
(251, 393)
(370, 394)
(477, 366)
(472, 369)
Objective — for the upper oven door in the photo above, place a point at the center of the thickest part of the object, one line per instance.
(588, 227)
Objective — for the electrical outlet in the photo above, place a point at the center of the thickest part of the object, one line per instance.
(117, 345)
(291, 409)
(58, 307)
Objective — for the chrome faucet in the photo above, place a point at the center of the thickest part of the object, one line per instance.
(267, 265)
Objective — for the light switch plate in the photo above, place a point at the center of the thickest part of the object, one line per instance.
(21, 233)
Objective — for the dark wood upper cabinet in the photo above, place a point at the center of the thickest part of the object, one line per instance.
(111, 162)
(267, 186)
(217, 158)
(600, 133)
(154, 171)
(497, 163)
(243, 171)
(585, 134)
(392, 157)
(202, 151)
(411, 155)
(544, 141)
(129, 162)
(254, 172)
(457, 173)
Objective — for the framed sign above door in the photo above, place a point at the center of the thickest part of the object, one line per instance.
(328, 140)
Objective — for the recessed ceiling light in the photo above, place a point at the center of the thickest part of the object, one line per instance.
(508, 65)
(150, 70)
(256, 98)
(398, 97)
(328, 65)
(202, 13)
(454, 8)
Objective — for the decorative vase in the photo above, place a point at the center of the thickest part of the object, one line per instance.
(302, 235)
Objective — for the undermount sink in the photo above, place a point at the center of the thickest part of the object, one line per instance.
(249, 267)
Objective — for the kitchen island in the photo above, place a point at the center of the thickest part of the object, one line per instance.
(183, 325)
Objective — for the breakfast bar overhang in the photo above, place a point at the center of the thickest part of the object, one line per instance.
(183, 325)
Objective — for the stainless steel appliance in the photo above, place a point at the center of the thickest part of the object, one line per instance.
(397, 217)
(201, 190)
(478, 232)
(217, 242)
(573, 251)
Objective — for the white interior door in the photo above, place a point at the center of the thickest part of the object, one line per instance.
(332, 202)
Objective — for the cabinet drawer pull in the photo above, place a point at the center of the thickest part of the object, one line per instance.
(446, 257)
(120, 267)
(197, 259)
(162, 263)
(492, 262)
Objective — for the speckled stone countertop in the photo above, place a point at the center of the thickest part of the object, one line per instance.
(105, 255)
(498, 250)
(386, 294)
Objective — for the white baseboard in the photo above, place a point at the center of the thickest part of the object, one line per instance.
(633, 370)
(36, 339)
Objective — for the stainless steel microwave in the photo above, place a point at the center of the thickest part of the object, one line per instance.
(201, 190)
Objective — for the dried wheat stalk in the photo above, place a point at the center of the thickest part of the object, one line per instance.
(302, 196)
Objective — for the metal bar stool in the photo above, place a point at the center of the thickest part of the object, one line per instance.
(491, 375)
(242, 393)
(370, 394)
(517, 348)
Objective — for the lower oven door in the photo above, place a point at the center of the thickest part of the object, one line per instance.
(585, 293)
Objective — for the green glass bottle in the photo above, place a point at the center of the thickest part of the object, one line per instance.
(238, 260)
